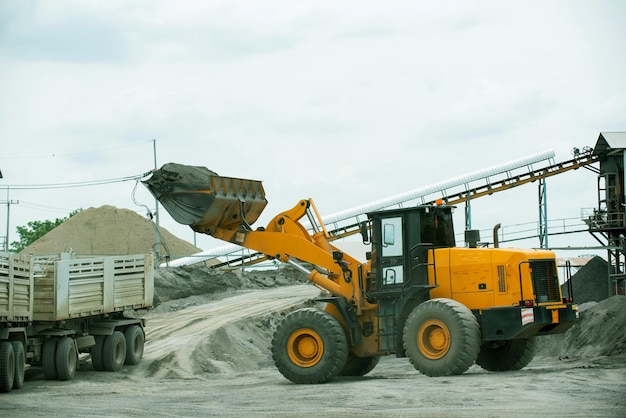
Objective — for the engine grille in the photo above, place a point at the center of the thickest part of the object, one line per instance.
(545, 280)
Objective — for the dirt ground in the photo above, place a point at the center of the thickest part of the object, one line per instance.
(209, 355)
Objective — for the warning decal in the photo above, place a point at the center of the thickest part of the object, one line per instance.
(528, 316)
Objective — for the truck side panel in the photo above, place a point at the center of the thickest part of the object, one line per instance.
(16, 288)
(91, 286)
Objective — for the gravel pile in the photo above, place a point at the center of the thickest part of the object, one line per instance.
(590, 283)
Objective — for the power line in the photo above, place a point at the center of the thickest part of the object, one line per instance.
(34, 205)
(75, 184)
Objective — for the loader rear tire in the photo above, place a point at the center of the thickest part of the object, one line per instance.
(501, 356)
(49, 359)
(20, 364)
(66, 359)
(7, 366)
(310, 346)
(359, 366)
(441, 337)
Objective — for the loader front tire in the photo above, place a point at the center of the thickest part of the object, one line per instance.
(501, 356)
(441, 337)
(310, 346)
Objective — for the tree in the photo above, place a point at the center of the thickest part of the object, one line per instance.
(35, 230)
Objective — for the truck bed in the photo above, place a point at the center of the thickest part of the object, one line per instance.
(62, 286)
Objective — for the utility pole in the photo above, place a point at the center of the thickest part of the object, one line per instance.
(156, 212)
(8, 202)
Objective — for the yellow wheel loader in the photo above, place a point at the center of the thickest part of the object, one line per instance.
(418, 295)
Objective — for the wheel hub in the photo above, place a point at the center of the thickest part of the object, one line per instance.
(433, 339)
(305, 347)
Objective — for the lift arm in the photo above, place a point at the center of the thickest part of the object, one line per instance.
(225, 207)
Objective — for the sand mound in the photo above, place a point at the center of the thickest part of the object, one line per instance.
(229, 334)
(189, 285)
(108, 230)
(600, 332)
(590, 283)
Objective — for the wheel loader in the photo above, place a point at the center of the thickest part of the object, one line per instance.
(417, 296)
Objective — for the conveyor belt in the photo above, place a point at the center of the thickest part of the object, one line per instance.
(490, 181)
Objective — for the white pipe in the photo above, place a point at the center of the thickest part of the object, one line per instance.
(386, 202)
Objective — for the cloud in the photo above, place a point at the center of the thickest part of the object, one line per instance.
(38, 32)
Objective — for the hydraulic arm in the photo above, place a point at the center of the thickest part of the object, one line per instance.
(225, 207)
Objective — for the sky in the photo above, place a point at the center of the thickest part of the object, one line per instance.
(343, 102)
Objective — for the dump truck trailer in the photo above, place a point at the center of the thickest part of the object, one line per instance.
(53, 307)
(417, 296)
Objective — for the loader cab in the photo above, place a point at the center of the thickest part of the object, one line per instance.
(401, 241)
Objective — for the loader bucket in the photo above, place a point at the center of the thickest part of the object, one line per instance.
(198, 197)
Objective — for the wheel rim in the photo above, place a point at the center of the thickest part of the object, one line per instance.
(305, 347)
(433, 339)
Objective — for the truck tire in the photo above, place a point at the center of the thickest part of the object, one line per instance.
(49, 360)
(114, 352)
(441, 337)
(20, 364)
(135, 340)
(359, 366)
(7, 366)
(501, 356)
(66, 358)
(310, 346)
(96, 353)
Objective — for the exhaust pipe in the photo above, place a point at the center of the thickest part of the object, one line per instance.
(496, 242)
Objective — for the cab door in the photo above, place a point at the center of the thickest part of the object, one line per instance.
(393, 273)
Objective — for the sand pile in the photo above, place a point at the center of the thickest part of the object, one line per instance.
(108, 230)
(185, 285)
(590, 283)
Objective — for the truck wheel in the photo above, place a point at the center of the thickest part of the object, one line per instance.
(96, 353)
(20, 364)
(66, 358)
(441, 337)
(359, 366)
(310, 346)
(7, 366)
(500, 356)
(49, 359)
(114, 352)
(135, 339)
